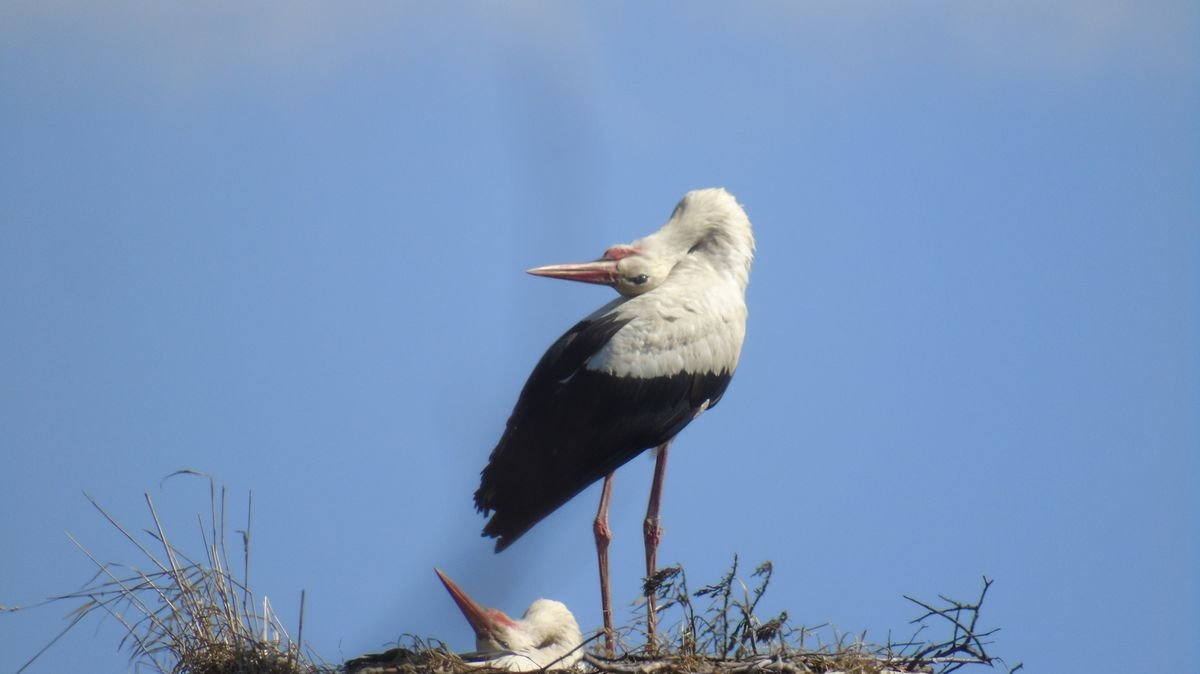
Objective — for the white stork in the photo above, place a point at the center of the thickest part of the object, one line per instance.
(628, 377)
(547, 636)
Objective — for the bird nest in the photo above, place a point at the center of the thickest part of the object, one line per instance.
(192, 614)
(184, 613)
(725, 636)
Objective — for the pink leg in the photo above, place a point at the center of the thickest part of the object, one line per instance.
(653, 534)
(603, 537)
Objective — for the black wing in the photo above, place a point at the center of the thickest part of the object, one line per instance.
(572, 426)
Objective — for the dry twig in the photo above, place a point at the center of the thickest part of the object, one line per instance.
(186, 615)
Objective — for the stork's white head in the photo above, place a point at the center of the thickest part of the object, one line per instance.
(546, 635)
(708, 232)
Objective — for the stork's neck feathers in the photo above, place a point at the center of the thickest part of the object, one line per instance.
(546, 635)
(709, 231)
(693, 320)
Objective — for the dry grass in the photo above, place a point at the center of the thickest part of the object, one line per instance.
(195, 615)
(189, 614)
(724, 635)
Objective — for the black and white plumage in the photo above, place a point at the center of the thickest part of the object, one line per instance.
(633, 374)
(628, 377)
(546, 636)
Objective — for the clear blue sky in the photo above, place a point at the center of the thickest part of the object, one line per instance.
(284, 244)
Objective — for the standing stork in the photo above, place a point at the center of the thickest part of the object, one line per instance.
(627, 378)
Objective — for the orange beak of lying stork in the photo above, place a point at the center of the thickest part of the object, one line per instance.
(601, 272)
(487, 622)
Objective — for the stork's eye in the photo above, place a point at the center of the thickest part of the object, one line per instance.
(638, 280)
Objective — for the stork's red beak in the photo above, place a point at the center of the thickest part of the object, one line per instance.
(485, 622)
(602, 271)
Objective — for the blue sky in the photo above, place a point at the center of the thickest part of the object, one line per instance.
(284, 244)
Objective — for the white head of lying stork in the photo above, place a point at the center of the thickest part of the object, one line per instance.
(628, 377)
(545, 636)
